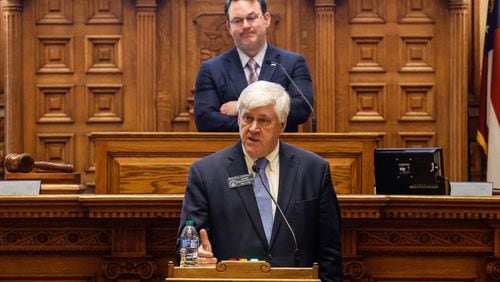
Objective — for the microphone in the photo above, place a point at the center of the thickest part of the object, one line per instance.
(313, 115)
(255, 169)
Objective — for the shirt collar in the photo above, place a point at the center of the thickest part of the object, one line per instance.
(271, 157)
(259, 58)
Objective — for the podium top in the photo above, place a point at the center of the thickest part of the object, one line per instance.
(242, 271)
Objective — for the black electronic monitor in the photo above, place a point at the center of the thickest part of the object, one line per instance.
(409, 171)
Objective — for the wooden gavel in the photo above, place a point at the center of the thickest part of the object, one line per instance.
(25, 163)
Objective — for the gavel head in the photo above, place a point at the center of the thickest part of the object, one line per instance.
(19, 162)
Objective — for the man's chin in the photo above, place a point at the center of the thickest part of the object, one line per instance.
(251, 148)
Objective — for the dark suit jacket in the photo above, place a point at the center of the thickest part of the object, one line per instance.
(232, 219)
(221, 79)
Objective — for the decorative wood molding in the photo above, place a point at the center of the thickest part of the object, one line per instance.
(324, 78)
(458, 96)
(13, 73)
(30, 239)
(493, 270)
(146, 64)
(354, 269)
(132, 236)
(138, 268)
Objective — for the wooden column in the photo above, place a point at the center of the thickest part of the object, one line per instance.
(324, 79)
(458, 90)
(146, 64)
(13, 74)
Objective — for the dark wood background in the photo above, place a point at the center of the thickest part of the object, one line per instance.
(402, 69)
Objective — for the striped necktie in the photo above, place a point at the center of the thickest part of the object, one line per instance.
(252, 66)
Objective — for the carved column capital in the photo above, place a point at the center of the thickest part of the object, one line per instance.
(140, 268)
(12, 5)
(458, 4)
(324, 4)
(146, 4)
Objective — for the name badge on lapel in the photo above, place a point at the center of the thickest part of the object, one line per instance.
(240, 180)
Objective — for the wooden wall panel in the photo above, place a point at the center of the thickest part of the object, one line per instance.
(392, 74)
(379, 66)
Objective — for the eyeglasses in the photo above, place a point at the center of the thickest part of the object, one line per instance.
(262, 122)
(240, 21)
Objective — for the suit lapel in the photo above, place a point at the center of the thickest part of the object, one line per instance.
(288, 172)
(267, 71)
(235, 72)
(237, 166)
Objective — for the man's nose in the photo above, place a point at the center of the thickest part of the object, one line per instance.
(254, 126)
(246, 23)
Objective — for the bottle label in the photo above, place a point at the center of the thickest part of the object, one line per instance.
(193, 244)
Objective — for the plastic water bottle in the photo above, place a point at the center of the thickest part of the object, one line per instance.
(189, 245)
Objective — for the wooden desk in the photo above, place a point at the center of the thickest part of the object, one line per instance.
(129, 163)
(132, 237)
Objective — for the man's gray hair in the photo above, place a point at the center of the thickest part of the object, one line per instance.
(262, 93)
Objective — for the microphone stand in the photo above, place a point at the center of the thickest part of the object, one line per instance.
(255, 168)
(313, 114)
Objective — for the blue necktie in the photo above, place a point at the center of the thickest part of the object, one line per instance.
(264, 201)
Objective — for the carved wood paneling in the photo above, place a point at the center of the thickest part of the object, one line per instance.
(153, 49)
(417, 139)
(56, 147)
(54, 12)
(367, 54)
(367, 102)
(104, 11)
(55, 54)
(55, 103)
(415, 11)
(104, 103)
(371, 11)
(113, 237)
(417, 54)
(418, 102)
(104, 54)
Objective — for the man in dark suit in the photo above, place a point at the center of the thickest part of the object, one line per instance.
(221, 79)
(222, 195)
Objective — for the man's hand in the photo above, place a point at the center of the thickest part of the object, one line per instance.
(205, 255)
(229, 108)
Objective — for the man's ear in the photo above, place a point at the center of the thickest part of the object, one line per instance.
(283, 126)
(267, 18)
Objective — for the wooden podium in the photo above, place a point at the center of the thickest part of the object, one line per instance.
(242, 271)
(158, 163)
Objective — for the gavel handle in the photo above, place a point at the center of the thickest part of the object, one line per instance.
(54, 166)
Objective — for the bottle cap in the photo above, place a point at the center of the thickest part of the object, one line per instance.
(189, 222)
